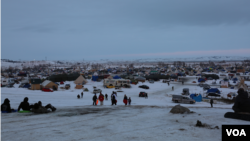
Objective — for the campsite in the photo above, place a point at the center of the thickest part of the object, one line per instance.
(140, 119)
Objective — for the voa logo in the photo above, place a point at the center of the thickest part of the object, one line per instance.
(236, 132)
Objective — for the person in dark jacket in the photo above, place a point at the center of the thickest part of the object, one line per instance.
(6, 106)
(125, 100)
(129, 101)
(211, 102)
(113, 98)
(24, 105)
(106, 96)
(242, 102)
(172, 88)
(48, 106)
(78, 96)
(81, 94)
(94, 99)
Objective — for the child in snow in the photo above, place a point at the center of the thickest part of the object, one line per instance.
(129, 101)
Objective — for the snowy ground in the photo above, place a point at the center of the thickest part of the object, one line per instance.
(144, 119)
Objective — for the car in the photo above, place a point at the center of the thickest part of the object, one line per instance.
(97, 91)
(202, 85)
(213, 94)
(67, 86)
(144, 87)
(151, 81)
(143, 94)
(182, 99)
(206, 87)
(47, 90)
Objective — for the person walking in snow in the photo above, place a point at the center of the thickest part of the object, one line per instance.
(172, 88)
(94, 99)
(106, 96)
(113, 99)
(78, 96)
(211, 102)
(81, 94)
(168, 83)
(129, 101)
(101, 98)
(125, 99)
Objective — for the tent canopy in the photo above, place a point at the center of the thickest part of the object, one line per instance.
(80, 80)
(213, 90)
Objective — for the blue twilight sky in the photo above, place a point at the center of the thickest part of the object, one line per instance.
(123, 29)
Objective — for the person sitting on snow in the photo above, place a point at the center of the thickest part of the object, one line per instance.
(6, 106)
(38, 108)
(24, 105)
(242, 102)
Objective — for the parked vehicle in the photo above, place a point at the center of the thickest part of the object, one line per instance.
(67, 86)
(47, 90)
(143, 94)
(144, 87)
(97, 91)
(182, 99)
(206, 87)
(202, 85)
(151, 81)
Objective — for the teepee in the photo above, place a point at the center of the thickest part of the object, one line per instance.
(80, 80)
(242, 84)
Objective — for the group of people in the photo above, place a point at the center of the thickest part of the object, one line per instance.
(126, 100)
(25, 106)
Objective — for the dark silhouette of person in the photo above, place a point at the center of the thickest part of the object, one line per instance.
(242, 102)
(81, 94)
(94, 99)
(211, 102)
(24, 105)
(6, 106)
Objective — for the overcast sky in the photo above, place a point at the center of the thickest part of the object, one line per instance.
(122, 29)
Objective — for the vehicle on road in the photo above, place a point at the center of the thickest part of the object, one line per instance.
(182, 99)
(143, 94)
(144, 86)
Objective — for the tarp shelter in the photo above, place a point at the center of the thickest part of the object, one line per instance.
(201, 80)
(213, 90)
(27, 85)
(49, 84)
(197, 98)
(94, 78)
(235, 79)
(80, 80)
(116, 77)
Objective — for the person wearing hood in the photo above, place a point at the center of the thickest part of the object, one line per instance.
(242, 102)
(94, 99)
(24, 105)
(38, 108)
(125, 100)
(113, 99)
(6, 106)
